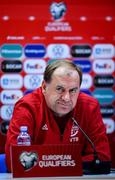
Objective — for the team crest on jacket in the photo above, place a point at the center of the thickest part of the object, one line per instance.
(45, 127)
(74, 133)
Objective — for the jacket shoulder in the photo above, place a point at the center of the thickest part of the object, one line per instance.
(33, 98)
(87, 99)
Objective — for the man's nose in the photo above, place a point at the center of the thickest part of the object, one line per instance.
(66, 96)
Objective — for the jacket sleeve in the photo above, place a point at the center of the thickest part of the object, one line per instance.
(97, 132)
(22, 115)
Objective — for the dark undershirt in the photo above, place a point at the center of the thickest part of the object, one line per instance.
(62, 121)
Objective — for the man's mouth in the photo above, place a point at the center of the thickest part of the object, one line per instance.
(66, 105)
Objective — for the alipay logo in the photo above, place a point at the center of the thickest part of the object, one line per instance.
(103, 51)
(9, 81)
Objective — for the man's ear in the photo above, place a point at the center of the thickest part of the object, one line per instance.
(43, 87)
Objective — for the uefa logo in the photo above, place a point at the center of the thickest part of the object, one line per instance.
(32, 81)
(6, 111)
(58, 51)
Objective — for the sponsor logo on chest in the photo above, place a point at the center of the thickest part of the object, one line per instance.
(74, 133)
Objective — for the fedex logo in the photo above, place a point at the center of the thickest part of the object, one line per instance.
(103, 66)
(10, 96)
(34, 66)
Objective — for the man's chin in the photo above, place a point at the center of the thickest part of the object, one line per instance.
(62, 113)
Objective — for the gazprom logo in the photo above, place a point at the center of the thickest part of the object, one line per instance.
(35, 51)
(11, 51)
(104, 96)
(103, 51)
(85, 65)
(34, 66)
(10, 96)
(103, 66)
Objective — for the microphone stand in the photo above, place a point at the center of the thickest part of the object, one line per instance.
(96, 166)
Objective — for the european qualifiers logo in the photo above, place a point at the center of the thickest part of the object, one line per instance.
(11, 66)
(58, 23)
(31, 159)
(58, 10)
(28, 160)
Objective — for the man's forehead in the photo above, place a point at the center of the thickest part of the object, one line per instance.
(66, 71)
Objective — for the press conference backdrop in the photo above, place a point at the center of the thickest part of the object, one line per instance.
(33, 34)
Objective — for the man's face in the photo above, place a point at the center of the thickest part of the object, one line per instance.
(62, 92)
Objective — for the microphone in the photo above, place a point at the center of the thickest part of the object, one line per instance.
(96, 166)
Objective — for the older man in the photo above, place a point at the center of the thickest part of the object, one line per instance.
(50, 112)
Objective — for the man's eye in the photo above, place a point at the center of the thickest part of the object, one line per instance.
(59, 89)
(73, 90)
